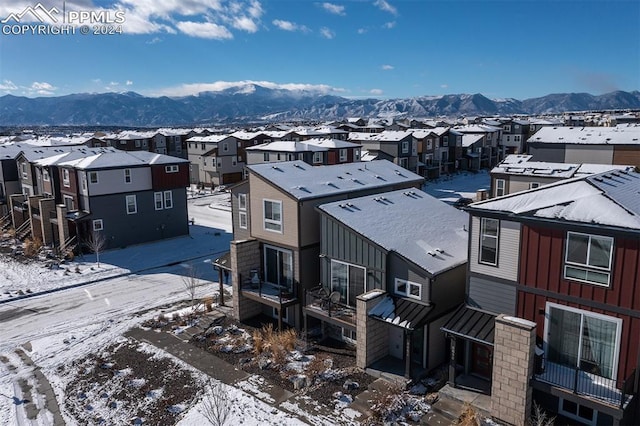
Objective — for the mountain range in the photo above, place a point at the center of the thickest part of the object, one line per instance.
(254, 103)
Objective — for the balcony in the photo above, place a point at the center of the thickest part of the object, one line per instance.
(321, 304)
(615, 393)
(270, 294)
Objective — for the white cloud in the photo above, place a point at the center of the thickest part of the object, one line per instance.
(289, 26)
(154, 40)
(327, 33)
(8, 86)
(389, 25)
(195, 88)
(444, 86)
(204, 30)
(386, 7)
(376, 92)
(114, 83)
(41, 88)
(334, 8)
(129, 83)
(387, 67)
(246, 24)
(362, 30)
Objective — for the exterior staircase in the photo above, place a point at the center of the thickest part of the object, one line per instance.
(23, 231)
(5, 222)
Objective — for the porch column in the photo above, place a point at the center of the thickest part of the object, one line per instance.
(280, 316)
(407, 354)
(513, 358)
(221, 287)
(452, 361)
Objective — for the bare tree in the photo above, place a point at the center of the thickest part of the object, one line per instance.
(216, 405)
(96, 243)
(190, 282)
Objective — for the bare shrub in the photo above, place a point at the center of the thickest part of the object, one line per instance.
(208, 303)
(258, 342)
(385, 403)
(469, 417)
(32, 247)
(540, 418)
(190, 283)
(216, 405)
(316, 367)
(96, 243)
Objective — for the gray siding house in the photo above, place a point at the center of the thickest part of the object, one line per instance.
(405, 253)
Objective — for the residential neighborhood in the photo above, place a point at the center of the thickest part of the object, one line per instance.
(517, 293)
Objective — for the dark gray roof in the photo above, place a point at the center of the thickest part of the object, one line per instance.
(401, 312)
(472, 324)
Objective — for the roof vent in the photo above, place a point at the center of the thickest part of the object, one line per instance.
(298, 166)
(439, 250)
(431, 253)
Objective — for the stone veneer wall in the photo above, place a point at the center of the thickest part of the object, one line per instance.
(513, 363)
(63, 223)
(47, 207)
(245, 256)
(372, 335)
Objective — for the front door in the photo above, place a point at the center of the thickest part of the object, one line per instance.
(396, 342)
(481, 360)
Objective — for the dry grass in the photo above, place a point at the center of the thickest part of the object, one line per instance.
(208, 303)
(32, 247)
(278, 344)
(469, 417)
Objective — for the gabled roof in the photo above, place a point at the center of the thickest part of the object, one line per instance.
(470, 139)
(607, 199)
(625, 134)
(397, 222)
(521, 165)
(302, 181)
(71, 155)
(331, 143)
(208, 139)
(286, 146)
(121, 159)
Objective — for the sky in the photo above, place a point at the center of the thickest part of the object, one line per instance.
(357, 49)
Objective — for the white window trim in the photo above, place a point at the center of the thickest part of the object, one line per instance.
(127, 176)
(317, 157)
(168, 200)
(617, 321)
(408, 284)
(405, 147)
(98, 225)
(66, 180)
(497, 238)
(265, 220)
(585, 267)
(242, 199)
(172, 168)
(243, 224)
(158, 201)
(500, 189)
(23, 167)
(91, 175)
(343, 155)
(567, 414)
(135, 204)
(45, 176)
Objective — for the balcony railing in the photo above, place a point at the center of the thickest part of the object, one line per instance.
(612, 392)
(282, 294)
(320, 300)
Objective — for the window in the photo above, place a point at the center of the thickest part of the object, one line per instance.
(348, 280)
(171, 169)
(317, 157)
(272, 215)
(356, 154)
(168, 200)
(278, 264)
(408, 289)
(132, 205)
(23, 167)
(508, 138)
(84, 183)
(265, 157)
(242, 211)
(516, 138)
(429, 144)
(534, 185)
(225, 146)
(576, 411)
(405, 147)
(588, 258)
(343, 155)
(278, 156)
(45, 176)
(500, 187)
(157, 198)
(489, 241)
(127, 175)
(506, 127)
(123, 142)
(138, 143)
(65, 177)
(69, 203)
(582, 340)
(445, 140)
(98, 225)
(233, 161)
(202, 146)
(93, 177)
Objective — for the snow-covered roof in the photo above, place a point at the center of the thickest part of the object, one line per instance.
(302, 181)
(71, 155)
(609, 199)
(287, 146)
(118, 158)
(396, 222)
(368, 156)
(331, 143)
(470, 139)
(624, 134)
(521, 165)
(477, 128)
(244, 135)
(208, 139)
(131, 135)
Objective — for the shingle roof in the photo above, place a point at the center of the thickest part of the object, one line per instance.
(302, 181)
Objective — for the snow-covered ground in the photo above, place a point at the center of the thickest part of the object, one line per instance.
(461, 185)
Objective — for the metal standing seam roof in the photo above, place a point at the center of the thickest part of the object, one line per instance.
(401, 312)
(472, 324)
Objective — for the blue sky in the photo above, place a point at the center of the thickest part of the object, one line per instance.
(360, 48)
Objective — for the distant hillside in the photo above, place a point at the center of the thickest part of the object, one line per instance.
(253, 103)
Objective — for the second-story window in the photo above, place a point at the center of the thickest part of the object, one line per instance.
(45, 176)
(168, 199)
(408, 289)
(93, 177)
(405, 147)
(65, 177)
(23, 167)
(343, 155)
(272, 215)
(356, 154)
(132, 205)
(171, 169)
(265, 157)
(500, 187)
(317, 157)
(489, 234)
(157, 199)
(127, 175)
(242, 211)
(429, 144)
(588, 258)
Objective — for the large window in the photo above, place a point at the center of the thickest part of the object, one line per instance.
(278, 264)
(157, 198)
(408, 289)
(588, 258)
(132, 205)
(584, 340)
(405, 147)
(500, 184)
(168, 200)
(489, 241)
(348, 280)
(272, 215)
(343, 155)
(317, 157)
(242, 210)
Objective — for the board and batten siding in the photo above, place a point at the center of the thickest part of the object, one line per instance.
(508, 251)
(597, 154)
(491, 296)
(340, 243)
